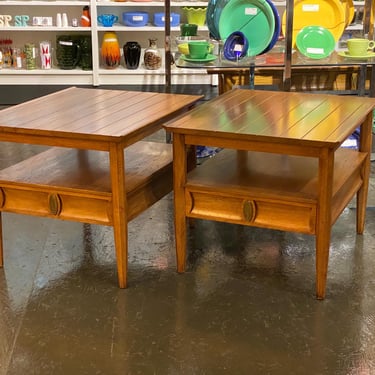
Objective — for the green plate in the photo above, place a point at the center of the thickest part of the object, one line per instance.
(254, 18)
(367, 56)
(208, 58)
(326, 13)
(315, 42)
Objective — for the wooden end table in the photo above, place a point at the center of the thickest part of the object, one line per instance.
(98, 169)
(282, 166)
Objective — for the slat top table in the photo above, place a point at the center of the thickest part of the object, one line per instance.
(277, 117)
(282, 166)
(99, 169)
(91, 117)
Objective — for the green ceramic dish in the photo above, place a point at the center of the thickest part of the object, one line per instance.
(208, 58)
(254, 18)
(368, 55)
(315, 42)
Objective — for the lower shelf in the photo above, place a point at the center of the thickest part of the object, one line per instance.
(103, 77)
(75, 184)
(269, 190)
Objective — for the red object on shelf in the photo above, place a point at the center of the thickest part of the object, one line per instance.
(85, 17)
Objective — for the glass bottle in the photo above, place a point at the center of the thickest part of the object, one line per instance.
(85, 17)
(17, 58)
(2, 53)
(7, 53)
(152, 56)
(110, 51)
(132, 54)
(30, 56)
(86, 52)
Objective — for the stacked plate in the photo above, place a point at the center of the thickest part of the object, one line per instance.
(315, 42)
(332, 15)
(317, 24)
(258, 20)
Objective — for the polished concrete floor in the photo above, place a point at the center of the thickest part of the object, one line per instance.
(245, 306)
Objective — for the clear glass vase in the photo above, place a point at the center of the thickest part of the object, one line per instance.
(152, 57)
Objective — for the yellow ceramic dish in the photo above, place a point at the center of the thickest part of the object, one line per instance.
(195, 15)
(183, 48)
(329, 14)
(349, 11)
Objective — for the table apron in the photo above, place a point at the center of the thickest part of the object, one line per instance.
(300, 148)
(52, 140)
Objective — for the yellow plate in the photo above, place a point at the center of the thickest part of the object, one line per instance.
(329, 14)
(349, 11)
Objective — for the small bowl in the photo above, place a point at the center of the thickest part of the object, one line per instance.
(136, 19)
(196, 16)
(232, 42)
(159, 19)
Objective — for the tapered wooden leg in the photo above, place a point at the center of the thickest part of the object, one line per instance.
(191, 164)
(120, 222)
(1, 242)
(324, 222)
(179, 180)
(322, 257)
(365, 144)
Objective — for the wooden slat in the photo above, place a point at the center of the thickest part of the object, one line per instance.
(77, 113)
(48, 105)
(98, 114)
(249, 114)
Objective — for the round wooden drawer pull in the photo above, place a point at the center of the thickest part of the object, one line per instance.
(2, 198)
(248, 209)
(54, 204)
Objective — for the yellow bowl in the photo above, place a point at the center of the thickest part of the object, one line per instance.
(195, 15)
(183, 48)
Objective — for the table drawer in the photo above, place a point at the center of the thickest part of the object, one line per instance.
(249, 210)
(59, 204)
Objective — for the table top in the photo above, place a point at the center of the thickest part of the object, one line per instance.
(302, 119)
(90, 115)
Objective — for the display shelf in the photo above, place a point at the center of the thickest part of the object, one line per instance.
(46, 77)
(98, 75)
(357, 27)
(120, 28)
(45, 2)
(150, 4)
(46, 28)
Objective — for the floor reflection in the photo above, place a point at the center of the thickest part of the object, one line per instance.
(246, 304)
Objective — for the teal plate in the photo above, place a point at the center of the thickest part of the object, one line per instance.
(208, 58)
(315, 42)
(254, 18)
(214, 9)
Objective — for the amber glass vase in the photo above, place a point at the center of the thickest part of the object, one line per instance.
(110, 51)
